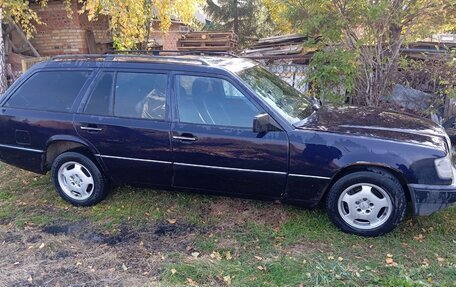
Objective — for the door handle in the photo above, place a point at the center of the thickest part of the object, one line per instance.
(185, 137)
(91, 128)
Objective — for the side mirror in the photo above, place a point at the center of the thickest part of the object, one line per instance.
(263, 123)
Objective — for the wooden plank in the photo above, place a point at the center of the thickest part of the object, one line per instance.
(282, 38)
(205, 40)
(208, 45)
(213, 49)
(10, 42)
(24, 38)
(90, 41)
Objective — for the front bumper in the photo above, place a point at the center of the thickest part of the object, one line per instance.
(428, 199)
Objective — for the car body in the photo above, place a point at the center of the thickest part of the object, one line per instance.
(264, 141)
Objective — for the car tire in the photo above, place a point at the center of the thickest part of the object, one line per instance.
(78, 180)
(368, 203)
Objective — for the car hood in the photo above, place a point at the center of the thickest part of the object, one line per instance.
(378, 123)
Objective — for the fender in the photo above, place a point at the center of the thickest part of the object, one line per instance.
(69, 138)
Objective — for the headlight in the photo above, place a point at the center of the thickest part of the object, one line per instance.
(444, 167)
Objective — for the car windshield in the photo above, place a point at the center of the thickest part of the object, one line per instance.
(282, 97)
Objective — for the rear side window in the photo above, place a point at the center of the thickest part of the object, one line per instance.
(140, 95)
(100, 100)
(50, 91)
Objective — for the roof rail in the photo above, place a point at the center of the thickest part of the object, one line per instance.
(117, 57)
(79, 56)
(157, 52)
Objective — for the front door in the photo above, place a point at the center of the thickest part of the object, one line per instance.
(125, 119)
(214, 147)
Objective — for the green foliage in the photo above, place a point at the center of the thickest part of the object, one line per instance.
(332, 74)
(370, 32)
(248, 19)
(131, 20)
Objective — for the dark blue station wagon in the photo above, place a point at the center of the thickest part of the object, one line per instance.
(221, 125)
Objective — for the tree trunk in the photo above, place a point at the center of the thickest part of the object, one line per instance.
(236, 18)
(3, 69)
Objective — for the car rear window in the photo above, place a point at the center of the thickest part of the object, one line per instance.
(49, 90)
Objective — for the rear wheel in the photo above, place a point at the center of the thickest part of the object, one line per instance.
(78, 180)
(368, 203)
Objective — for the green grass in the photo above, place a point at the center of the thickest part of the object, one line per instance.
(246, 242)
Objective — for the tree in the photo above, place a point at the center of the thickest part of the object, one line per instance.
(249, 19)
(18, 11)
(370, 32)
(131, 20)
(3, 80)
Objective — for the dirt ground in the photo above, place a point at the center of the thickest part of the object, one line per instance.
(78, 255)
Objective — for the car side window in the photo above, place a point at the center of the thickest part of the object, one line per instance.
(100, 100)
(140, 95)
(213, 101)
(49, 90)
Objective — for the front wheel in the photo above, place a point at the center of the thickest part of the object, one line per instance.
(78, 180)
(367, 203)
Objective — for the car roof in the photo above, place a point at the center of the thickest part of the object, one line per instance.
(187, 62)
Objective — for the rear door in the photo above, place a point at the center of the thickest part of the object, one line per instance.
(125, 117)
(39, 107)
(214, 147)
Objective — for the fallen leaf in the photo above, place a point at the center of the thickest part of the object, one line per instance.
(227, 279)
(30, 279)
(216, 255)
(340, 258)
(124, 267)
(420, 237)
(261, 268)
(191, 282)
(173, 271)
(330, 257)
(389, 255)
(41, 246)
(78, 263)
(425, 262)
(440, 259)
(171, 221)
(195, 254)
(258, 258)
(228, 255)
(389, 260)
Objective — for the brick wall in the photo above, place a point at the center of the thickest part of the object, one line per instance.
(167, 40)
(63, 35)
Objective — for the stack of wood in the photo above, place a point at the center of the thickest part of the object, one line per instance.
(208, 42)
(422, 50)
(280, 47)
